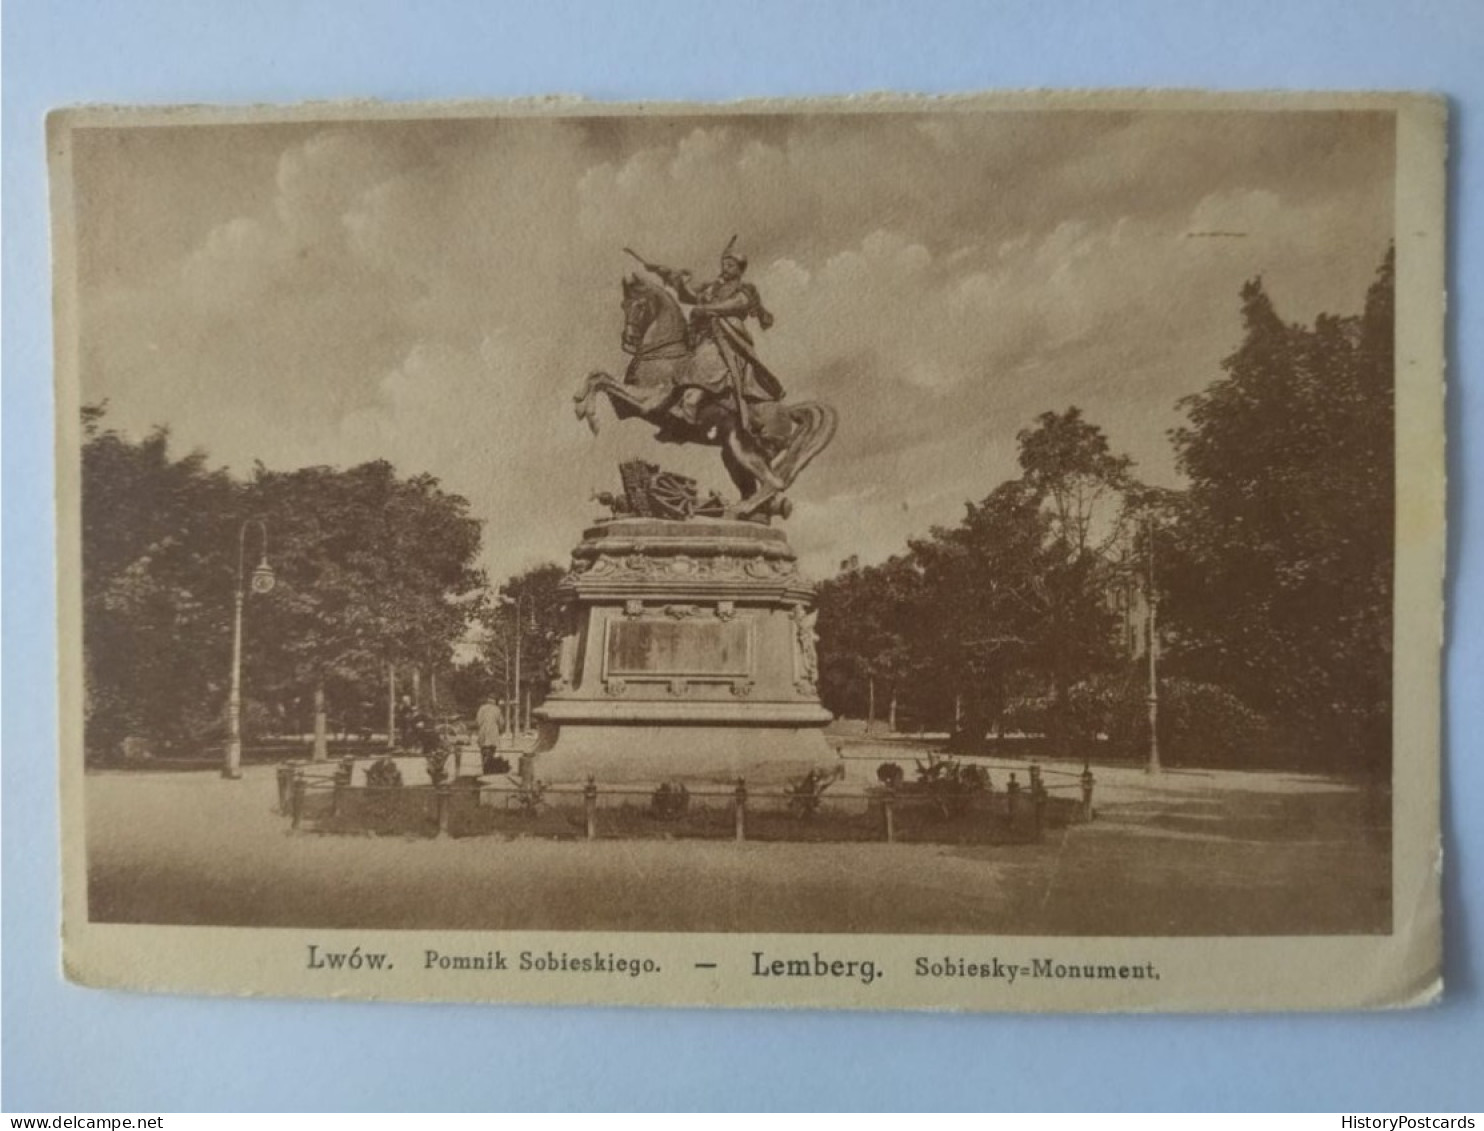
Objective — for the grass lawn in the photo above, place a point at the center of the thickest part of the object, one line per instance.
(1211, 853)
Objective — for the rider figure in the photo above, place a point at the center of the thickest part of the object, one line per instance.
(719, 313)
(697, 378)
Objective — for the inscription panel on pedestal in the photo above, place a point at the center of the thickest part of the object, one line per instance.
(678, 648)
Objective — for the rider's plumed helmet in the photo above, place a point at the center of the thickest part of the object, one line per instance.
(731, 252)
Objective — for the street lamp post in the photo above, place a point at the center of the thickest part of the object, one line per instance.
(261, 582)
(1153, 701)
(516, 603)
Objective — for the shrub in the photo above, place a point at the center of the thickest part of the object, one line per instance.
(1199, 723)
(951, 785)
(974, 778)
(530, 795)
(669, 802)
(383, 772)
(805, 795)
(496, 764)
(890, 775)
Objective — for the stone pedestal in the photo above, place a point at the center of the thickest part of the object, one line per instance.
(689, 654)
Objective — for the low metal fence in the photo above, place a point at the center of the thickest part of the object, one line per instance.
(322, 798)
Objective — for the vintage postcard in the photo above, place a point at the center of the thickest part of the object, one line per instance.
(974, 554)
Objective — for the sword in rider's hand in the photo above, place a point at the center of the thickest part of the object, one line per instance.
(664, 273)
(652, 268)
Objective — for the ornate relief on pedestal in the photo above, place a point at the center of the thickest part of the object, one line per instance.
(806, 656)
(560, 666)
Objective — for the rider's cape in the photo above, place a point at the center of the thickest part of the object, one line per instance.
(759, 374)
(758, 382)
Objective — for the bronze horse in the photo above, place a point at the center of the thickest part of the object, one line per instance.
(682, 383)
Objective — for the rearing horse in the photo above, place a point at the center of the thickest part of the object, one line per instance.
(691, 393)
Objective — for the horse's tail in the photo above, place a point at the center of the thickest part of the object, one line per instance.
(816, 428)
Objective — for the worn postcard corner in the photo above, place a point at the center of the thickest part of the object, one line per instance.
(948, 554)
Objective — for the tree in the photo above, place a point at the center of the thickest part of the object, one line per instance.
(844, 642)
(529, 611)
(982, 608)
(374, 570)
(868, 647)
(1083, 492)
(1013, 603)
(158, 552)
(468, 685)
(1279, 583)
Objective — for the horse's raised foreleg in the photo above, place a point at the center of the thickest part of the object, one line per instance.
(583, 399)
(617, 393)
(641, 400)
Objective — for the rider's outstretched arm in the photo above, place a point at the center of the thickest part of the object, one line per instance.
(738, 306)
(679, 282)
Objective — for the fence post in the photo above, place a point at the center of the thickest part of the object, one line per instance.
(1038, 804)
(297, 807)
(1012, 796)
(590, 806)
(285, 787)
(888, 814)
(335, 800)
(739, 809)
(441, 793)
(1087, 781)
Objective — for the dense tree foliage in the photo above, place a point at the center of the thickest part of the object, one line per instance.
(1082, 492)
(1009, 606)
(372, 570)
(1280, 582)
(158, 550)
(871, 646)
(526, 617)
(1271, 572)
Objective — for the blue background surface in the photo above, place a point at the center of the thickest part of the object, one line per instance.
(81, 1050)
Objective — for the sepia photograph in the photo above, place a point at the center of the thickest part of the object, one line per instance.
(971, 553)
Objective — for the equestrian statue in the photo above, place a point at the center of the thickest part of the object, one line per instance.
(699, 380)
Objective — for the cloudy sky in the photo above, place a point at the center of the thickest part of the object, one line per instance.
(433, 291)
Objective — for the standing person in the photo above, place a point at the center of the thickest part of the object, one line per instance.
(423, 732)
(490, 724)
(406, 730)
